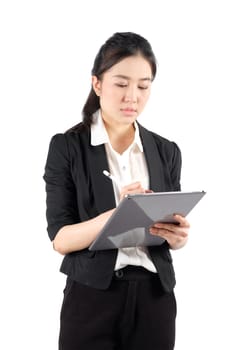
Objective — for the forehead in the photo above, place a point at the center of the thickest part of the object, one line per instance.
(135, 67)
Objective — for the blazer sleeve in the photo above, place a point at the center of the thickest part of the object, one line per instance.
(175, 163)
(61, 202)
(172, 160)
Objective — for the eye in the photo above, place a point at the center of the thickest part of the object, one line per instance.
(121, 85)
(143, 87)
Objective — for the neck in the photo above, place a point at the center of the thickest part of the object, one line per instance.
(120, 136)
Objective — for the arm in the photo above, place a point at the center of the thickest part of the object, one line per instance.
(79, 236)
(65, 228)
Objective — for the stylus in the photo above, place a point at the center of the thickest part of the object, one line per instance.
(111, 177)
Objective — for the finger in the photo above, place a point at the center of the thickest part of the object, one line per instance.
(182, 220)
(132, 186)
(164, 226)
(166, 229)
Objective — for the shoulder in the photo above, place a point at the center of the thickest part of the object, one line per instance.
(70, 142)
(74, 133)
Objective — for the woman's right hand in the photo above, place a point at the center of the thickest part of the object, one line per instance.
(133, 188)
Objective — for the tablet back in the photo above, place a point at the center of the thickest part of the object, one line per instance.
(129, 225)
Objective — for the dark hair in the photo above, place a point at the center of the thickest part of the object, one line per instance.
(115, 49)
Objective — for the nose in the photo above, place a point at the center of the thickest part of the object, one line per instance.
(131, 94)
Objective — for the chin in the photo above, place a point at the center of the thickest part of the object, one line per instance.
(129, 115)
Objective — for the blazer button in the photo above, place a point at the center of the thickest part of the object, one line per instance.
(119, 273)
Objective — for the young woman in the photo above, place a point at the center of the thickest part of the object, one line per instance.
(119, 298)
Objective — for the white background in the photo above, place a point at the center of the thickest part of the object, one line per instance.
(47, 52)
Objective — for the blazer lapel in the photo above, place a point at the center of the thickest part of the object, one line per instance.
(102, 186)
(153, 159)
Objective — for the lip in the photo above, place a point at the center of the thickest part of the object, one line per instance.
(129, 111)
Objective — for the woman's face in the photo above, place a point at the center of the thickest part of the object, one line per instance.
(124, 90)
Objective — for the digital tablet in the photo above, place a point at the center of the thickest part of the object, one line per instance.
(129, 224)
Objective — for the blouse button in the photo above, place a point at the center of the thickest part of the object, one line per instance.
(119, 273)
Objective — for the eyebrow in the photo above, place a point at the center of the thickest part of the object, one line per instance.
(128, 78)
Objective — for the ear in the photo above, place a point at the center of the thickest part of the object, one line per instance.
(96, 84)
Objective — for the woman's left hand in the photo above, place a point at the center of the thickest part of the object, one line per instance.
(175, 235)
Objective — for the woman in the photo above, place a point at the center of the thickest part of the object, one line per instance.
(113, 299)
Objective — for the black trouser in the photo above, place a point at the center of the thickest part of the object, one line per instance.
(134, 313)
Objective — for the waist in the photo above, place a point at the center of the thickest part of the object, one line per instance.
(134, 273)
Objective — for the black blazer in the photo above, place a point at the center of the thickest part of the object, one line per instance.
(77, 190)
